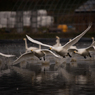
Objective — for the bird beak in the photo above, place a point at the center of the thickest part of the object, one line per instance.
(23, 38)
(92, 38)
(49, 48)
(69, 39)
(57, 37)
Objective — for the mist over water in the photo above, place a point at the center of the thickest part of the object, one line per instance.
(54, 76)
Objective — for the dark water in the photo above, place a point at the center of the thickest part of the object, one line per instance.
(66, 76)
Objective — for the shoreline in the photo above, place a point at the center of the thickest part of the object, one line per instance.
(44, 40)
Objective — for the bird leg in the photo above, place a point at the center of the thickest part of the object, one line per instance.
(44, 58)
(44, 69)
(84, 57)
(63, 56)
(40, 58)
(90, 55)
(69, 55)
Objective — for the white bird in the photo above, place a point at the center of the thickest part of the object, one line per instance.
(62, 50)
(28, 48)
(57, 42)
(71, 49)
(39, 53)
(6, 55)
(85, 51)
(93, 42)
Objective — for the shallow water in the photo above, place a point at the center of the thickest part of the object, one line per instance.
(66, 76)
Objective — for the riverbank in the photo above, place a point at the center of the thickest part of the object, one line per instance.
(43, 40)
(12, 36)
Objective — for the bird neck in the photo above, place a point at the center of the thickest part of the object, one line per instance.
(76, 52)
(39, 46)
(26, 46)
(58, 41)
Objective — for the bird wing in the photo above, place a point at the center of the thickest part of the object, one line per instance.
(90, 48)
(23, 57)
(76, 39)
(93, 43)
(33, 48)
(37, 42)
(48, 51)
(57, 45)
(6, 55)
(72, 49)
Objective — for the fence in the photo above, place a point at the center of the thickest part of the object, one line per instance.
(31, 15)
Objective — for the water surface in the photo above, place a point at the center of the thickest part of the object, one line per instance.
(66, 76)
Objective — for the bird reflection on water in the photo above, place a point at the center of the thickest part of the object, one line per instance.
(70, 76)
(63, 80)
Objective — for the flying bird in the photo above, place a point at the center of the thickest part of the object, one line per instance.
(6, 55)
(62, 50)
(28, 48)
(86, 51)
(39, 53)
(57, 42)
(71, 49)
(93, 42)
